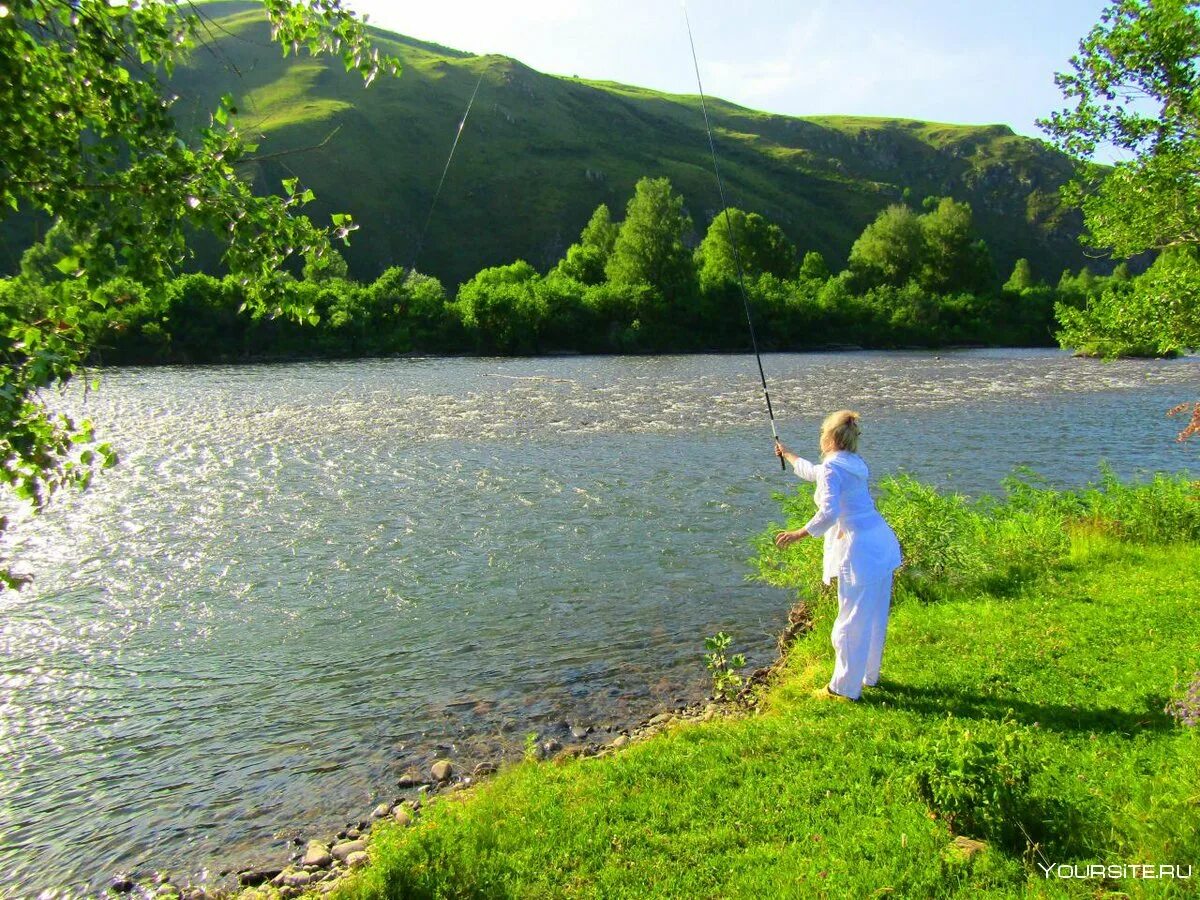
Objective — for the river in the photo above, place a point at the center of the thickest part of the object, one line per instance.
(303, 578)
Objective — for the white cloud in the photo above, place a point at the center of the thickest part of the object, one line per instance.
(821, 67)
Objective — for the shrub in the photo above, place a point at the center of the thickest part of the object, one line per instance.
(408, 311)
(980, 781)
(723, 666)
(502, 310)
(1162, 511)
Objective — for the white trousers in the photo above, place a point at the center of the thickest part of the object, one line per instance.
(858, 634)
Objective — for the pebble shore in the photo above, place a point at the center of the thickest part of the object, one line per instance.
(319, 863)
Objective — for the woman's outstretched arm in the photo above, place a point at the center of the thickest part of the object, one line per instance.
(801, 466)
(828, 496)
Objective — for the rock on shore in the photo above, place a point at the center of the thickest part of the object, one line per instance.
(317, 855)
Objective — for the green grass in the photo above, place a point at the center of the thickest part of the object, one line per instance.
(290, 101)
(1037, 715)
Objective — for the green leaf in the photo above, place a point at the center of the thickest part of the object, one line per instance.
(130, 200)
(68, 265)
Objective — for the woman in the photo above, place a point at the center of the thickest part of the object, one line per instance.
(861, 551)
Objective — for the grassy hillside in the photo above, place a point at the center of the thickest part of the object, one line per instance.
(541, 151)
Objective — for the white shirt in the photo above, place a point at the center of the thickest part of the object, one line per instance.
(858, 542)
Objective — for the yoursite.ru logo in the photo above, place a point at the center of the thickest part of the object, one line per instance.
(1068, 870)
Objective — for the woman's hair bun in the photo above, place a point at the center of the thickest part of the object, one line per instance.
(840, 431)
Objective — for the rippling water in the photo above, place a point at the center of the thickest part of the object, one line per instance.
(304, 578)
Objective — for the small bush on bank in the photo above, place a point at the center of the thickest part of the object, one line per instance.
(981, 781)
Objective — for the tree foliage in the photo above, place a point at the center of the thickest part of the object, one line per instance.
(88, 140)
(649, 248)
(586, 260)
(813, 267)
(503, 309)
(937, 249)
(1135, 86)
(1021, 278)
(762, 248)
(327, 266)
(1156, 314)
(195, 318)
(952, 258)
(889, 250)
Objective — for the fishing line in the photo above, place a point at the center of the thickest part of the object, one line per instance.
(737, 259)
(446, 168)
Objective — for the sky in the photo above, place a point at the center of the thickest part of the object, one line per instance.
(967, 62)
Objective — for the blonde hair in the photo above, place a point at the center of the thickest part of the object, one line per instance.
(840, 431)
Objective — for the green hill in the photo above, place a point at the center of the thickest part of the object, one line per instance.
(541, 151)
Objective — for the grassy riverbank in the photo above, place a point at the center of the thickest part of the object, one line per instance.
(1026, 711)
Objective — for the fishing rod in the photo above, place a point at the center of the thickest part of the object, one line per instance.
(737, 259)
(446, 168)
